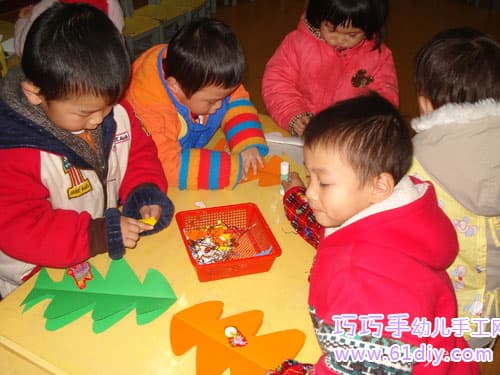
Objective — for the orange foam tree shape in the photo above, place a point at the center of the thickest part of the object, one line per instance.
(201, 325)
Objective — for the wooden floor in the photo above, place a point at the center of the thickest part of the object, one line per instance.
(261, 25)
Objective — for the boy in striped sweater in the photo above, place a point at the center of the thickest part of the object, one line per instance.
(184, 92)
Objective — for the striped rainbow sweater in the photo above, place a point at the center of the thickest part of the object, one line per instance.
(181, 141)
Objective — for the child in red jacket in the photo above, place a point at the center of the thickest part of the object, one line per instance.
(71, 151)
(379, 293)
(335, 53)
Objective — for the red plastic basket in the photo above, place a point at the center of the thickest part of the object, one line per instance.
(256, 248)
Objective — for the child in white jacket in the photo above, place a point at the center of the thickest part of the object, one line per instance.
(457, 145)
(27, 16)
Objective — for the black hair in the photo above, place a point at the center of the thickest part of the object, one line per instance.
(75, 49)
(367, 15)
(459, 65)
(368, 132)
(204, 52)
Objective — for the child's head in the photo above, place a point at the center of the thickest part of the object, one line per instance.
(345, 23)
(28, 14)
(204, 64)
(76, 65)
(355, 152)
(457, 66)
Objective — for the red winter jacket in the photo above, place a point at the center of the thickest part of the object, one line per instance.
(305, 74)
(390, 262)
(52, 199)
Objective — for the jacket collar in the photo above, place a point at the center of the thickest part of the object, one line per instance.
(456, 113)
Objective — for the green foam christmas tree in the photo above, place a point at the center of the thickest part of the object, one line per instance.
(110, 298)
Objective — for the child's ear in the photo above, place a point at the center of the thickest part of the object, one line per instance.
(32, 92)
(175, 87)
(382, 187)
(424, 105)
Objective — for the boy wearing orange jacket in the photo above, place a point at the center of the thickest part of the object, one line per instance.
(183, 92)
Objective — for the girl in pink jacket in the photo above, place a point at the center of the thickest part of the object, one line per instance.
(335, 53)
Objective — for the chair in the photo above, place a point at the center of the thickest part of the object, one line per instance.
(168, 13)
(197, 8)
(173, 14)
(6, 62)
(200, 8)
(139, 32)
(6, 29)
(213, 6)
(233, 2)
(490, 4)
(3, 63)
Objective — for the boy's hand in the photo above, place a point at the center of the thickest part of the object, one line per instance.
(300, 124)
(293, 180)
(131, 229)
(292, 367)
(153, 211)
(251, 158)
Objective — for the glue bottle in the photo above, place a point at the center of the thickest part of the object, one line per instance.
(284, 170)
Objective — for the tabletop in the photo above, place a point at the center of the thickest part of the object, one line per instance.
(26, 346)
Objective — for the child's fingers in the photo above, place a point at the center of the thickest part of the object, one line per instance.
(130, 236)
(144, 226)
(150, 214)
(129, 243)
(137, 226)
(254, 167)
(155, 211)
(260, 161)
(286, 185)
(131, 230)
(295, 179)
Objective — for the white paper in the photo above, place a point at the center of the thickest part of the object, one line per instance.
(291, 146)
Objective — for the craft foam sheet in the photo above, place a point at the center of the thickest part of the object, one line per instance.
(110, 298)
(201, 325)
(269, 175)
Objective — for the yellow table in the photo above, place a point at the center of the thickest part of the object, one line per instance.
(26, 347)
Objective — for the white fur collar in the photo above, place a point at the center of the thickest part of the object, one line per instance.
(453, 113)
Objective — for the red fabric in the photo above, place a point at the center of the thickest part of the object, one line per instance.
(143, 163)
(225, 169)
(204, 169)
(238, 119)
(391, 262)
(239, 138)
(99, 4)
(301, 217)
(305, 74)
(32, 231)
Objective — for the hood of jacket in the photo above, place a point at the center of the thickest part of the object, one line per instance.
(25, 125)
(416, 232)
(459, 146)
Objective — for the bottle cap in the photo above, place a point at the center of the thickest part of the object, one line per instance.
(284, 168)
